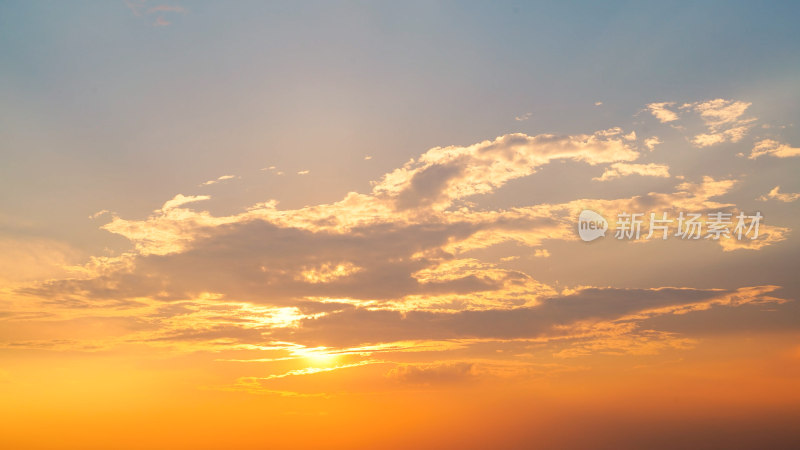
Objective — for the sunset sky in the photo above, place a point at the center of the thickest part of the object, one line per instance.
(355, 224)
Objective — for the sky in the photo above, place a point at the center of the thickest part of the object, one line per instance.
(357, 224)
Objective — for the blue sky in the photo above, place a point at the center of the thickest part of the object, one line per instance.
(137, 108)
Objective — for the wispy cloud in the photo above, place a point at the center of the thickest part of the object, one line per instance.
(661, 111)
(145, 8)
(541, 253)
(180, 200)
(523, 117)
(99, 213)
(161, 22)
(597, 311)
(393, 268)
(723, 119)
(651, 142)
(618, 170)
(218, 180)
(780, 196)
(316, 370)
(444, 174)
(768, 235)
(771, 147)
(434, 373)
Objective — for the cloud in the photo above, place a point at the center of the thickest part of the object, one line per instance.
(304, 172)
(245, 261)
(774, 148)
(777, 195)
(395, 264)
(433, 374)
(326, 272)
(180, 200)
(313, 371)
(767, 235)
(398, 258)
(422, 188)
(618, 170)
(523, 117)
(634, 342)
(587, 310)
(662, 113)
(444, 174)
(651, 142)
(220, 179)
(395, 258)
(142, 8)
(169, 229)
(724, 121)
(136, 6)
(99, 213)
(730, 135)
(720, 113)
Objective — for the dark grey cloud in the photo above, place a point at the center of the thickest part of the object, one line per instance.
(358, 326)
(427, 186)
(433, 374)
(260, 262)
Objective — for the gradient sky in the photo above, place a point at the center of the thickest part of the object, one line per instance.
(232, 223)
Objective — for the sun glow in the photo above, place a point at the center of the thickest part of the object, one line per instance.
(318, 355)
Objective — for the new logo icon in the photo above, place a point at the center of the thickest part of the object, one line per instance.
(591, 225)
